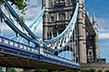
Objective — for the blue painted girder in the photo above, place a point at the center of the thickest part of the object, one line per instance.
(15, 15)
(70, 23)
(63, 33)
(15, 29)
(39, 16)
(38, 55)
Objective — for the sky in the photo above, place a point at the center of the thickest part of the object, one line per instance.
(100, 8)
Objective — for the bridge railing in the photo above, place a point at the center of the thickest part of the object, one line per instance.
(17, 45)
(26, 51)
(57, 59)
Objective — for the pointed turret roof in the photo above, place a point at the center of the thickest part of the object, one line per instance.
(94, 19)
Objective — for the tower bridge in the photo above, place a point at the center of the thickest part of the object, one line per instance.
(66, 27)
(57, 17)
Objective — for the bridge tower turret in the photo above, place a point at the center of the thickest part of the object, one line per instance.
(96, 38)
(82, 32)
(56, 18)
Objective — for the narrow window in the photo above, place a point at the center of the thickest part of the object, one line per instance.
(52, 18)
(61, 16)
(90, 53)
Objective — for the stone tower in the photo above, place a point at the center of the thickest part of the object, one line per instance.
(92, 44)
(56, 18)
(96, 38)
(82, 32)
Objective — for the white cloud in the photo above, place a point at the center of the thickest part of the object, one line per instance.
(103, 36)
(103, 25)
(38, 31)
(33, 10)
(103, 28)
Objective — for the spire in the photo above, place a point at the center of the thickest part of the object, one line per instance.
(94, 19)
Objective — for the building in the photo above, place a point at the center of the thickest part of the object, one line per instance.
(56, 18)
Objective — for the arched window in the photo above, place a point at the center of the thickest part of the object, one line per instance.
(61, 0)
(49, 34)
(54, 31)
(52, 18)
(62, 16)
(90, 53)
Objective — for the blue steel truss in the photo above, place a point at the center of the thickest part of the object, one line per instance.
(15, 29)
(37, 53)
(73, 23)
(15, 15)
(39, 17)
(70, 23)
(11, 47)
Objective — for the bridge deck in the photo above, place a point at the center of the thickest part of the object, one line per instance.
(14, 54)
(13, 61)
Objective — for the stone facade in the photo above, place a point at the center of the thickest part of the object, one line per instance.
(82, 32)
(56, 18)
(97, 66)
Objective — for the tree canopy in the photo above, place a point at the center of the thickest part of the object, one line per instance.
(20, 4)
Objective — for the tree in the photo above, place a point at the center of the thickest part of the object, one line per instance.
(99, 70)
(20, 4)
(76, 71)
(25, 71)
(56, 71)
(85, 70)
(107, 71)
(41, 70)
(92, 70)
(12, 70)
(69, 71)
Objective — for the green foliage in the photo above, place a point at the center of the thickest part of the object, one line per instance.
(25, 71)
(56, 71)
(45, 70)
(41, 70)
(92, 70)
(12, 70)
(99, 71)
(107, 71)
(76, 71)
(0, 14)
(22, 19)
(20, 4)
(1, 71)
(85, 70)
(69, 71)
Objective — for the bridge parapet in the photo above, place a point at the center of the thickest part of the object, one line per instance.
(13, 48)
(17, 45)
(48, 57)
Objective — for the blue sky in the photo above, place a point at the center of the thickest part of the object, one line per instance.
(101, 10)
(99, 7)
